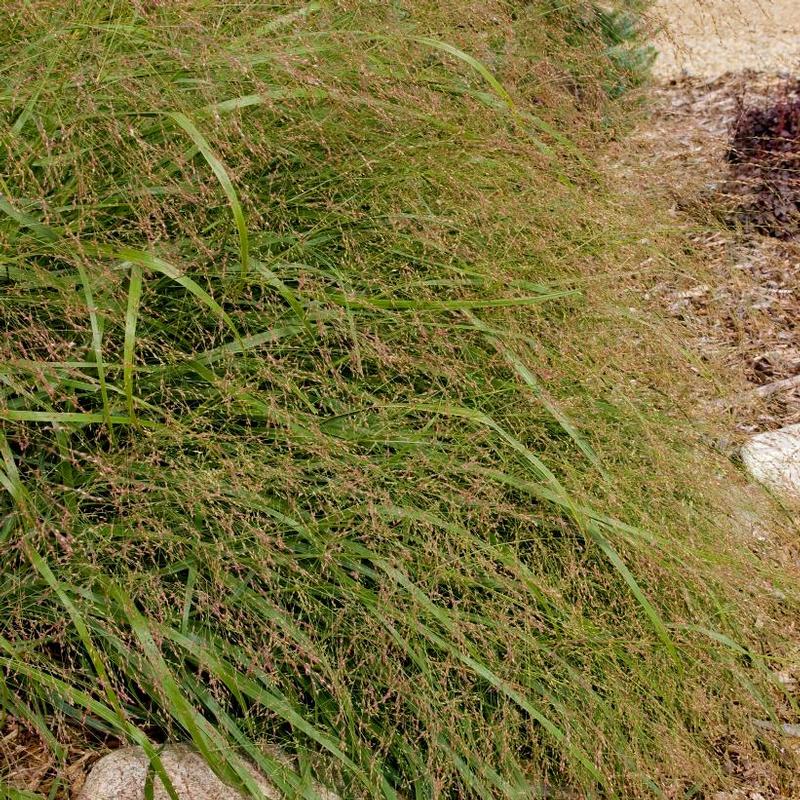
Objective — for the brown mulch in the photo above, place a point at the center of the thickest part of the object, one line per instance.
(742, 306)
(28, 764)
(724, 146)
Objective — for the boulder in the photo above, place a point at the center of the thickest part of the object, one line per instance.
(773, 459)
(121, 775)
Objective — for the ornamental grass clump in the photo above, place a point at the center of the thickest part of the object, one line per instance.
(330, 421)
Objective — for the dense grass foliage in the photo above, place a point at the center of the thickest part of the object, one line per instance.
(327, 420)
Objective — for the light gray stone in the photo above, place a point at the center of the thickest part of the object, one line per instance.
(121, 775)
(786, 728)
(774, 459)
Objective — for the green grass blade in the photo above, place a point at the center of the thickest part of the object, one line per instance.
(44, 232)
(97, 348)
(76, 417)
(285, 292)
(471, 61)
(255, 691)
(165, 268)
(218, 168)
(285, 20)
(622, 568)
(477, 667)
(539, 468)
(131, 317)
(271, 94)
(9, 475)
(280, 774)
(502, 93)
(43, 568)
(72, 694)
(446, 305)
(209, 742)
(13, 793)
(530, 379)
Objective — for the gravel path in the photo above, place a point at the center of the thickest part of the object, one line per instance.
(709, 38)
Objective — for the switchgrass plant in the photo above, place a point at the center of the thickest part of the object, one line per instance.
(328, 424)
